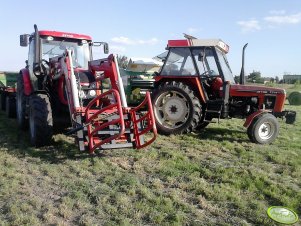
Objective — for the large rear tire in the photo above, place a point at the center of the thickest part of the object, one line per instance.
(40, 120)
(203, 123)
(21, 100)
(264, 129)
(10, 107)
(2, 101)
(176, 108)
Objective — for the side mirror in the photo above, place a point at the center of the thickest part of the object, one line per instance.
(105, 48)
(24, 40)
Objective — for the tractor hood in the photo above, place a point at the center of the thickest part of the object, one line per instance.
(239, 89)
(264, 95)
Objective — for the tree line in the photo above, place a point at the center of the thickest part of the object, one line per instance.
(255, 77)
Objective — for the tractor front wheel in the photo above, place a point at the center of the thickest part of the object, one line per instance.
(176, 108)
(40, 120)
(21, 100)
(264, 129)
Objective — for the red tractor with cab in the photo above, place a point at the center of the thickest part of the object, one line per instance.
(196, 85)
(62, 81)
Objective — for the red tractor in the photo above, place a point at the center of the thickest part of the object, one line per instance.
(196, 85)
(62, 81)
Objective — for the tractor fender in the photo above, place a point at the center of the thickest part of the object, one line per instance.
(26, 80)
(192, 82)
(251, 117)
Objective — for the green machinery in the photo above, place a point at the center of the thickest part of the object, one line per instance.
(8, 82)
(138, 77)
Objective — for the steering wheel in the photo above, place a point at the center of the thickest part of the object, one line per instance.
(209, 73)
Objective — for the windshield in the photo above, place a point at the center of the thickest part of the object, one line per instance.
(81, 54)
(205, 60)
(179, 62)
(228, 76)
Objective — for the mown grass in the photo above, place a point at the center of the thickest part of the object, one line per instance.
(216, 177)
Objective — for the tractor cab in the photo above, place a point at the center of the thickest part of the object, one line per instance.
(55, 44)
(50, 46)
(203, 59)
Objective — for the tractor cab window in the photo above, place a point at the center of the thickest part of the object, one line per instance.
(206, 62)
(31, 58)
(228, 76)
(53, 48)
(179, 62)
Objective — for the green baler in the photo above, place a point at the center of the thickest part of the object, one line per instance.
(8, 81)
(138, 78)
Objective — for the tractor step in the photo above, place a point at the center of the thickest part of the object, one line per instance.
(213, 111)
(215, 102)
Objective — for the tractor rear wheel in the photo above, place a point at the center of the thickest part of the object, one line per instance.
(203, 123)
(264, 129)
(176, 108)
(21, 104)
(2, 101)
(10, 107)
(40, 120)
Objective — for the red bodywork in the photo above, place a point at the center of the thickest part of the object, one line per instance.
(260, 92)
(26, 81)
(235, 90)
(59, 34)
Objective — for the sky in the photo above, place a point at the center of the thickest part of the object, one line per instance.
(137, 28)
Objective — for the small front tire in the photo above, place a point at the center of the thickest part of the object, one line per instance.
(40, 120)
(264, 129)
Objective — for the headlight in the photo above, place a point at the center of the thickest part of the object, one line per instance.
(82, 94)
(92, 93)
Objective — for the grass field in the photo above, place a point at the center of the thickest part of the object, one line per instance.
(216, 177)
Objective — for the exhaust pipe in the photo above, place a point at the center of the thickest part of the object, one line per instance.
(242, 72)
(37, 55)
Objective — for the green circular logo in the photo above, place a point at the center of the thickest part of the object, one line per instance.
(282, 215)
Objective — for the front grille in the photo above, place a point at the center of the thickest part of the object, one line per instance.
(269, 102)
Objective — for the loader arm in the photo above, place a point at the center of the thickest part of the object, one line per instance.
(107, 122)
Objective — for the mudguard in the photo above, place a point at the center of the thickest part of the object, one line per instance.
(251, 117)
(26, 80)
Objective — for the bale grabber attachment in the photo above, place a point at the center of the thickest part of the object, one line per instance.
(99, 114)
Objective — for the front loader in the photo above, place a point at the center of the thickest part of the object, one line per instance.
(61, 81)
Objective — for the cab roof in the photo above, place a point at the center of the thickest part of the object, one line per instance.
(199, 43)
(59, 34)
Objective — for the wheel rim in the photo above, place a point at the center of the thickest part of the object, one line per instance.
(266, 130)
(171, 109)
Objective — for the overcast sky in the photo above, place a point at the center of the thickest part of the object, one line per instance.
(141, 28)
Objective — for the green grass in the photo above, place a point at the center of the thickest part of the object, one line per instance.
(216, 177)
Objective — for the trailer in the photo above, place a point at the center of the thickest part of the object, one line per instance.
(8, 82)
